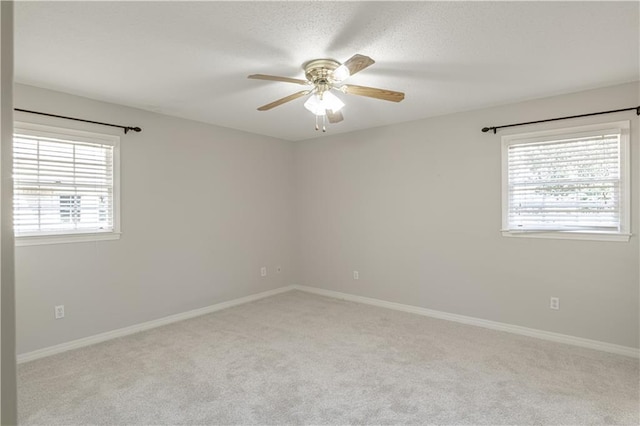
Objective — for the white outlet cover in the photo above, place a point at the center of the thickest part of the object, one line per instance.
(356, 275)
(263, 271)
(59, 311)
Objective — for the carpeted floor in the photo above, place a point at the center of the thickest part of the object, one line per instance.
(298, 358)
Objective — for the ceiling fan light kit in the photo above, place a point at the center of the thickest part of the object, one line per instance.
(324, 75)
(320, 103)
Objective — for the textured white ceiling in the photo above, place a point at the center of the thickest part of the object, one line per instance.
(191, 59)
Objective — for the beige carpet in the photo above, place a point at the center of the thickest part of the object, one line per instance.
(298, 358)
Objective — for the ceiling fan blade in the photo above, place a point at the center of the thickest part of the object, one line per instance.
(284, 100)
(277, 78)
(357, 63)
(334, 117)
(371, 92)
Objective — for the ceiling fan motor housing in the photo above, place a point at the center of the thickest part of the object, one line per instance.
(320, 72)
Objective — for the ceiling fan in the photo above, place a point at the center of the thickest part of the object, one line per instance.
(324, 75)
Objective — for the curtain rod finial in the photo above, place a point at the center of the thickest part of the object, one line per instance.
(135, 129)
(485, 129)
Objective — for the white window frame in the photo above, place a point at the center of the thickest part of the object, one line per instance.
(624, 234)
(34, 129)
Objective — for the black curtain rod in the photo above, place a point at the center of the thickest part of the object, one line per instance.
(495, 129)
(125, 128)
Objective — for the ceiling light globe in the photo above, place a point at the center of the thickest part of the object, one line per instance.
(332, 102)
(315, 105)
(319, 106)
(341, 73)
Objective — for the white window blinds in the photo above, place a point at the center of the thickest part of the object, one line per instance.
(62, 186)
(566, 184)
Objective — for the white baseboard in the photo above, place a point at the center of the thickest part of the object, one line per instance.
(494, 325)
(86, 341)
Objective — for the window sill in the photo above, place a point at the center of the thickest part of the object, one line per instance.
(569, 235)
(36, 240)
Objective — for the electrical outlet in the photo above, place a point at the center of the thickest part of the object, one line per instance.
(263, 271)
(279, 269)
(554, 303)
(59, 311)
(356, 275)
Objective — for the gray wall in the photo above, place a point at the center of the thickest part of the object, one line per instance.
(416, 209)
(8, 399)
(203, 208)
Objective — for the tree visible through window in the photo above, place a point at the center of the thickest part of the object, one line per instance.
(567, 181)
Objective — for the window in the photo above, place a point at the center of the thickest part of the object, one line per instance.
(65, 185)
(568, 183)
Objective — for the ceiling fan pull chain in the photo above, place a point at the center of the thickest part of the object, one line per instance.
(317, 128)
(324, 127)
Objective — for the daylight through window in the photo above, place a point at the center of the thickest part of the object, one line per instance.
(64, 182)
(571, 181)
